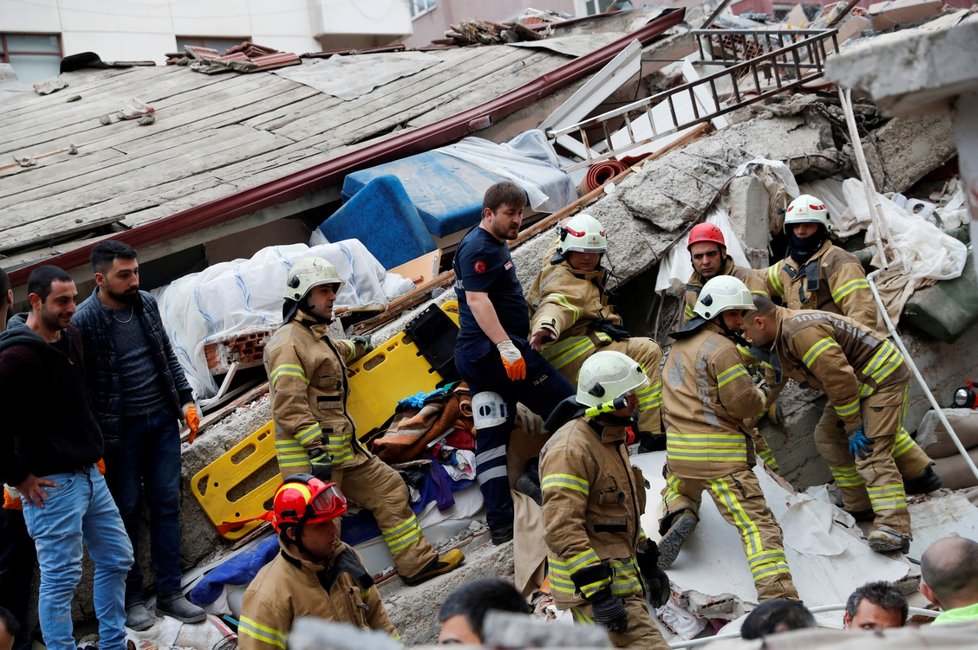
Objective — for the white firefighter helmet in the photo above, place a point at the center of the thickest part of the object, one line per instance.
(722, 293)
(606, 376)
(582, 234)
(806, 209)
(309, 272)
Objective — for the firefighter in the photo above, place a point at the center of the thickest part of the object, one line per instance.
(708, 254)
(602, 567)
(707, 394)
(572, 319)
(861, 433)
(314, 433)
(816, 274)
(314, 574)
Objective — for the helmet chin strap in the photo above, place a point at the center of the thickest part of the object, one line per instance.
(732, 334)
(306, 309)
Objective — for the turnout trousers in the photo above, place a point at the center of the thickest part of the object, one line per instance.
(641, 632)
(875, 481)
(739, 499)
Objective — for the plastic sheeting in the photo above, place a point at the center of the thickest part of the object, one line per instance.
(528, 160)
(234, 295)
(677, 267)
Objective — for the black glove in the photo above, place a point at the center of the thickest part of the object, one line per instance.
(321, 466)
(656, 580)
(609, 610)
(605, 326)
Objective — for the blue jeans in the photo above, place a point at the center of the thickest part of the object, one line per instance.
(541, 391)
(147, 458)
(80, 510)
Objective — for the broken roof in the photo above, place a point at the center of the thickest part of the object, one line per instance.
(72, 179)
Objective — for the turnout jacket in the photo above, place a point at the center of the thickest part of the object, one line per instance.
(843, 358)
(593, 500)
(567, 301)
(104, 380)
(831, 280)
(707, 394)
(752, 278)
(339, 590)
(309, 389)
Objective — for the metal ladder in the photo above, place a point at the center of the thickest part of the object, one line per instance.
(784, 59)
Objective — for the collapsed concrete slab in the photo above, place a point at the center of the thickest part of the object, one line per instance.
(906, 149)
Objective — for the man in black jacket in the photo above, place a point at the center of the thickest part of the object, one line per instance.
(51, 444)
(139, 392)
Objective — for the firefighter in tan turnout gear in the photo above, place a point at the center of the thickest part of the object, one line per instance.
(707, 394)
(860, 434)
(816, 274)
(314, 433)
(708, 254)
(572, 319)
(602, 567)
(314, 574)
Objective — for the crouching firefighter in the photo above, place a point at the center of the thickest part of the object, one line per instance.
(572, 318)
(602, 567)
(314, 574)
(707, 394)
(314, 434)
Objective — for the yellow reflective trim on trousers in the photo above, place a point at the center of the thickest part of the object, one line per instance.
(572, 353)
(780, 568)
(696, 447)
(849, 287)
(748, 529)
(847, 476)
(403, 542)
(887, 497)
(569, 481)
(846, 410)
(580, 617)
(817, 349)
(672, 489)
(730, 374)
(309, 434)
(902, 443)
(401, 527)
(262, 633)
(287, 370)
(774, 278)
(766, 557)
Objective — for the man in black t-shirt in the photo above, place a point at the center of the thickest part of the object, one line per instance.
(492, 353)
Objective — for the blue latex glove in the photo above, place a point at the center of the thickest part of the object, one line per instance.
(859, 444)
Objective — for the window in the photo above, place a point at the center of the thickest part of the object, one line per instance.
(592, 7)
(221, 44)
(34, 57)
(421, 7)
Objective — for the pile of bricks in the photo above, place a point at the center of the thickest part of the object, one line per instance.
(244, 347)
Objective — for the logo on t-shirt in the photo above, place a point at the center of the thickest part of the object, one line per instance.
(479, 266)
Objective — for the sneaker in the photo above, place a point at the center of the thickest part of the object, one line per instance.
(680, 528)
(501, 535)
(884, 540)
(138, 617)
(927, 482)
(178, 607)
(444, 563)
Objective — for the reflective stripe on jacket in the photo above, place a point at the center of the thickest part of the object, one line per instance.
(307, 382)
(837, 355)
(593, 499)
(832, 280)
(753, 278)
(707, 394)
(288, 587)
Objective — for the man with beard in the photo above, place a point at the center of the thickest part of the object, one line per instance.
(708, 254)
(314, 573)
(816, 274)
(139, 393)
(492, 352)
(51, 444)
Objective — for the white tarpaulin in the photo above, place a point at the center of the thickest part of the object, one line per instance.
(234, 295)
(677, 267)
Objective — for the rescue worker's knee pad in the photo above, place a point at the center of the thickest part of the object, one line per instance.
(490, 410)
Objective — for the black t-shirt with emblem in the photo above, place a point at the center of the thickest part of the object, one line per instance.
(483, 263)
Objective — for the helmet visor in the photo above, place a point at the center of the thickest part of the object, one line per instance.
(327, 504)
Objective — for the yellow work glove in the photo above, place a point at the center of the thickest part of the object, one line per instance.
(193, 421)
(513, 360)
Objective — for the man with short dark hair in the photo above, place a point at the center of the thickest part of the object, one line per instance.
(949, 578)
(875, 606)
(493, 353)
(51, 444)
(465, 609)
(9, 629)
(775, 616)
(139, 393)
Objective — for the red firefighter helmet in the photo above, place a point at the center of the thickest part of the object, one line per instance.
(702, 232)
(304, 499)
